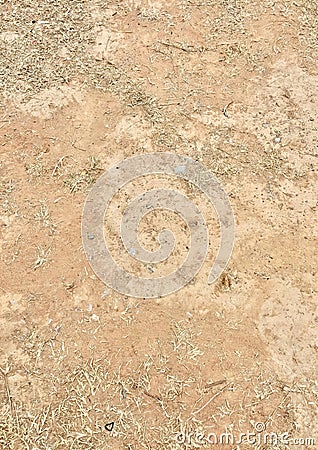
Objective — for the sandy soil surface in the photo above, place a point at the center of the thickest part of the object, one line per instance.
(86, 84)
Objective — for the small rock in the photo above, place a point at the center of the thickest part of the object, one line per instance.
(95, 318)
(105, 293)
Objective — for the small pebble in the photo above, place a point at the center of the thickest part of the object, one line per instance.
(95, 317)
(105, 293)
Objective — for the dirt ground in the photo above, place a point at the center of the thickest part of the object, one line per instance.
(86, 84)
